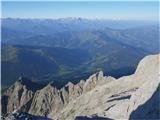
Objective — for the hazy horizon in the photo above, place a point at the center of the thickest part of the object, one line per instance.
(147, 11)
(65, 18)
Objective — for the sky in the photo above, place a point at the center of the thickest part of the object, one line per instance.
(91, 10)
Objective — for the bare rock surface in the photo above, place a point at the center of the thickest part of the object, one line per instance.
(17, 115)
(99, 97)
(45, 100)
(19, 95)
(51, 100)
(118, 99)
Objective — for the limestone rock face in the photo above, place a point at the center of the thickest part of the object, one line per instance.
(144, 103)
(91, 83)
(73, 91)
(19, 95)
(96, 80)
(27, 96)
(129, 97)
(45, 100)
(99, 97)
(51, 100)
(18, 115)
(145, 81)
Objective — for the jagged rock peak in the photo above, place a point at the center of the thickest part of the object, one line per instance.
(100, 75)
(95, 80)
(99, 95)
(29, 84)
(19, 95)
(130, 97)
(19, 115)
(23, 81)
(50, 85)
(69, 84)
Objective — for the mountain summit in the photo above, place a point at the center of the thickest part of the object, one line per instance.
(129, 97)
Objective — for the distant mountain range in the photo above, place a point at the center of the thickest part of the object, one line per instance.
(47, 26)
(56, 50)
(71, 33)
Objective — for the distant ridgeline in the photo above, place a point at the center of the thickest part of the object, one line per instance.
(71, 50)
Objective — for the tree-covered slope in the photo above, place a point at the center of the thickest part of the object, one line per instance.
(39, 63)
(61, 64)
(72, 53)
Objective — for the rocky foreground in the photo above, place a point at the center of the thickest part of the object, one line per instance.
(99, 97)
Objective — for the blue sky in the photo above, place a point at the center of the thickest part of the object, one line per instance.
(101, 10)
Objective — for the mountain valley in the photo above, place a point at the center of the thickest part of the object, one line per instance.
(80, 60)
(97, 97)
(57, 56)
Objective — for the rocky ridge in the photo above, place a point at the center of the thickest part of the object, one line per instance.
(19, 115)
(121, 99)
(99, 96)
(24, 95)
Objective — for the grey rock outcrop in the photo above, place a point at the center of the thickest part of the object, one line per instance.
(149, 110)
(51, 100)
(18, 115)
(97, 79)
(45, 100)
(120, 99)
(129, 97)
(19, 95)
(26, 96)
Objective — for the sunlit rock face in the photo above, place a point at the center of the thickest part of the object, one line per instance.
(129, 97)
(99, 97)
(19, 115)
(19, 95)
